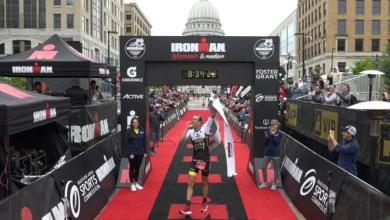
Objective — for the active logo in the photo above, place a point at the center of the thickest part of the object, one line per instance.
(264, 48)
(135, 48)
(133, 97)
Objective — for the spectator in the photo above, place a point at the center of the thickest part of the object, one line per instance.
(95, 93)
(78, 96)
(317, 97)
(386, 96)
(330, 97)
(136, 143)
(321, 83)
(155, 119)
(329, 76)
(273, 139)
(347, 149)
(344, 98)
(37, 87)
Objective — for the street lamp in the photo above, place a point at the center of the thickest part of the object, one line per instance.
(303, 51)
(331, 68)
(108, 51)
(290, 62)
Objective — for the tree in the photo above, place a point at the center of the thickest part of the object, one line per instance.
(384, 66)
(15, 81)
(364, 64)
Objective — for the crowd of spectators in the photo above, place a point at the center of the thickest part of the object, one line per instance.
(240, 106)
(167, 98)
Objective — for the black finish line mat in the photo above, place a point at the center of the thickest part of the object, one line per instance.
(225, 201)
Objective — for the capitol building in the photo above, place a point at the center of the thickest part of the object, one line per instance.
(203, 20)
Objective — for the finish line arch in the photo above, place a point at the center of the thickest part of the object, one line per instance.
(156, 61)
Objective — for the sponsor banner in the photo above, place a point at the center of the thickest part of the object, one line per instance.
(88, 180)
(91, 123)
(291, 114)
(34, 201)
(267, 74)
(383, 156)
(358, 200)
(325, 121)
(305, 179)
(78, 189)
(35, 69)
(204, 49)
(316, 127)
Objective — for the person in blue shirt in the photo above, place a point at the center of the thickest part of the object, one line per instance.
(136, 144)
(348, 149)
(273, 139)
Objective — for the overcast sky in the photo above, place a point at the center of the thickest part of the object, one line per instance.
(238, 17)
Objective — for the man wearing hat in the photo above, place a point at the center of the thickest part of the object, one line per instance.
(347, 149)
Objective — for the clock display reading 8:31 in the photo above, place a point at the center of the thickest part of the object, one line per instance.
(200, 74)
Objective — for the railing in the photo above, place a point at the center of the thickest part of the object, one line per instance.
(360, 86)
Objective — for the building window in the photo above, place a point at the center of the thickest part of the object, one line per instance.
(30, 14)
(376, 7)
(42, 14)
(341, 66)
(342, 7)
(57, 21)
(70, 2)
(359, 45)
(128, 28)
(388, 27)
(70, 21)
(12, 14)
(2, 49)
(128, 16)
(20, 46)
(341, 26)
(359, 27)
(375, 45)
(341, 44)
(2, 14)
(57, 2)
(359, 7)
(376, 27)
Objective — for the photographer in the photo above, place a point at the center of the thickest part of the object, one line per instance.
(344, 99)
(330, 97)
(317, 97)
(347, 149)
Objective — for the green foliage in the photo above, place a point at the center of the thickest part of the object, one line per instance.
(365, 64)
(15, 81)
(384, 66)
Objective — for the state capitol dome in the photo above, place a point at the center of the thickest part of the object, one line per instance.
(203, 20)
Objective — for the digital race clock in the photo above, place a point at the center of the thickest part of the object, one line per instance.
(200, 74)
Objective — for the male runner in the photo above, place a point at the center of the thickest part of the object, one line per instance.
(202, 141)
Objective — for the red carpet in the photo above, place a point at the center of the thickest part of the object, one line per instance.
(122, 205)
(259, 204)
